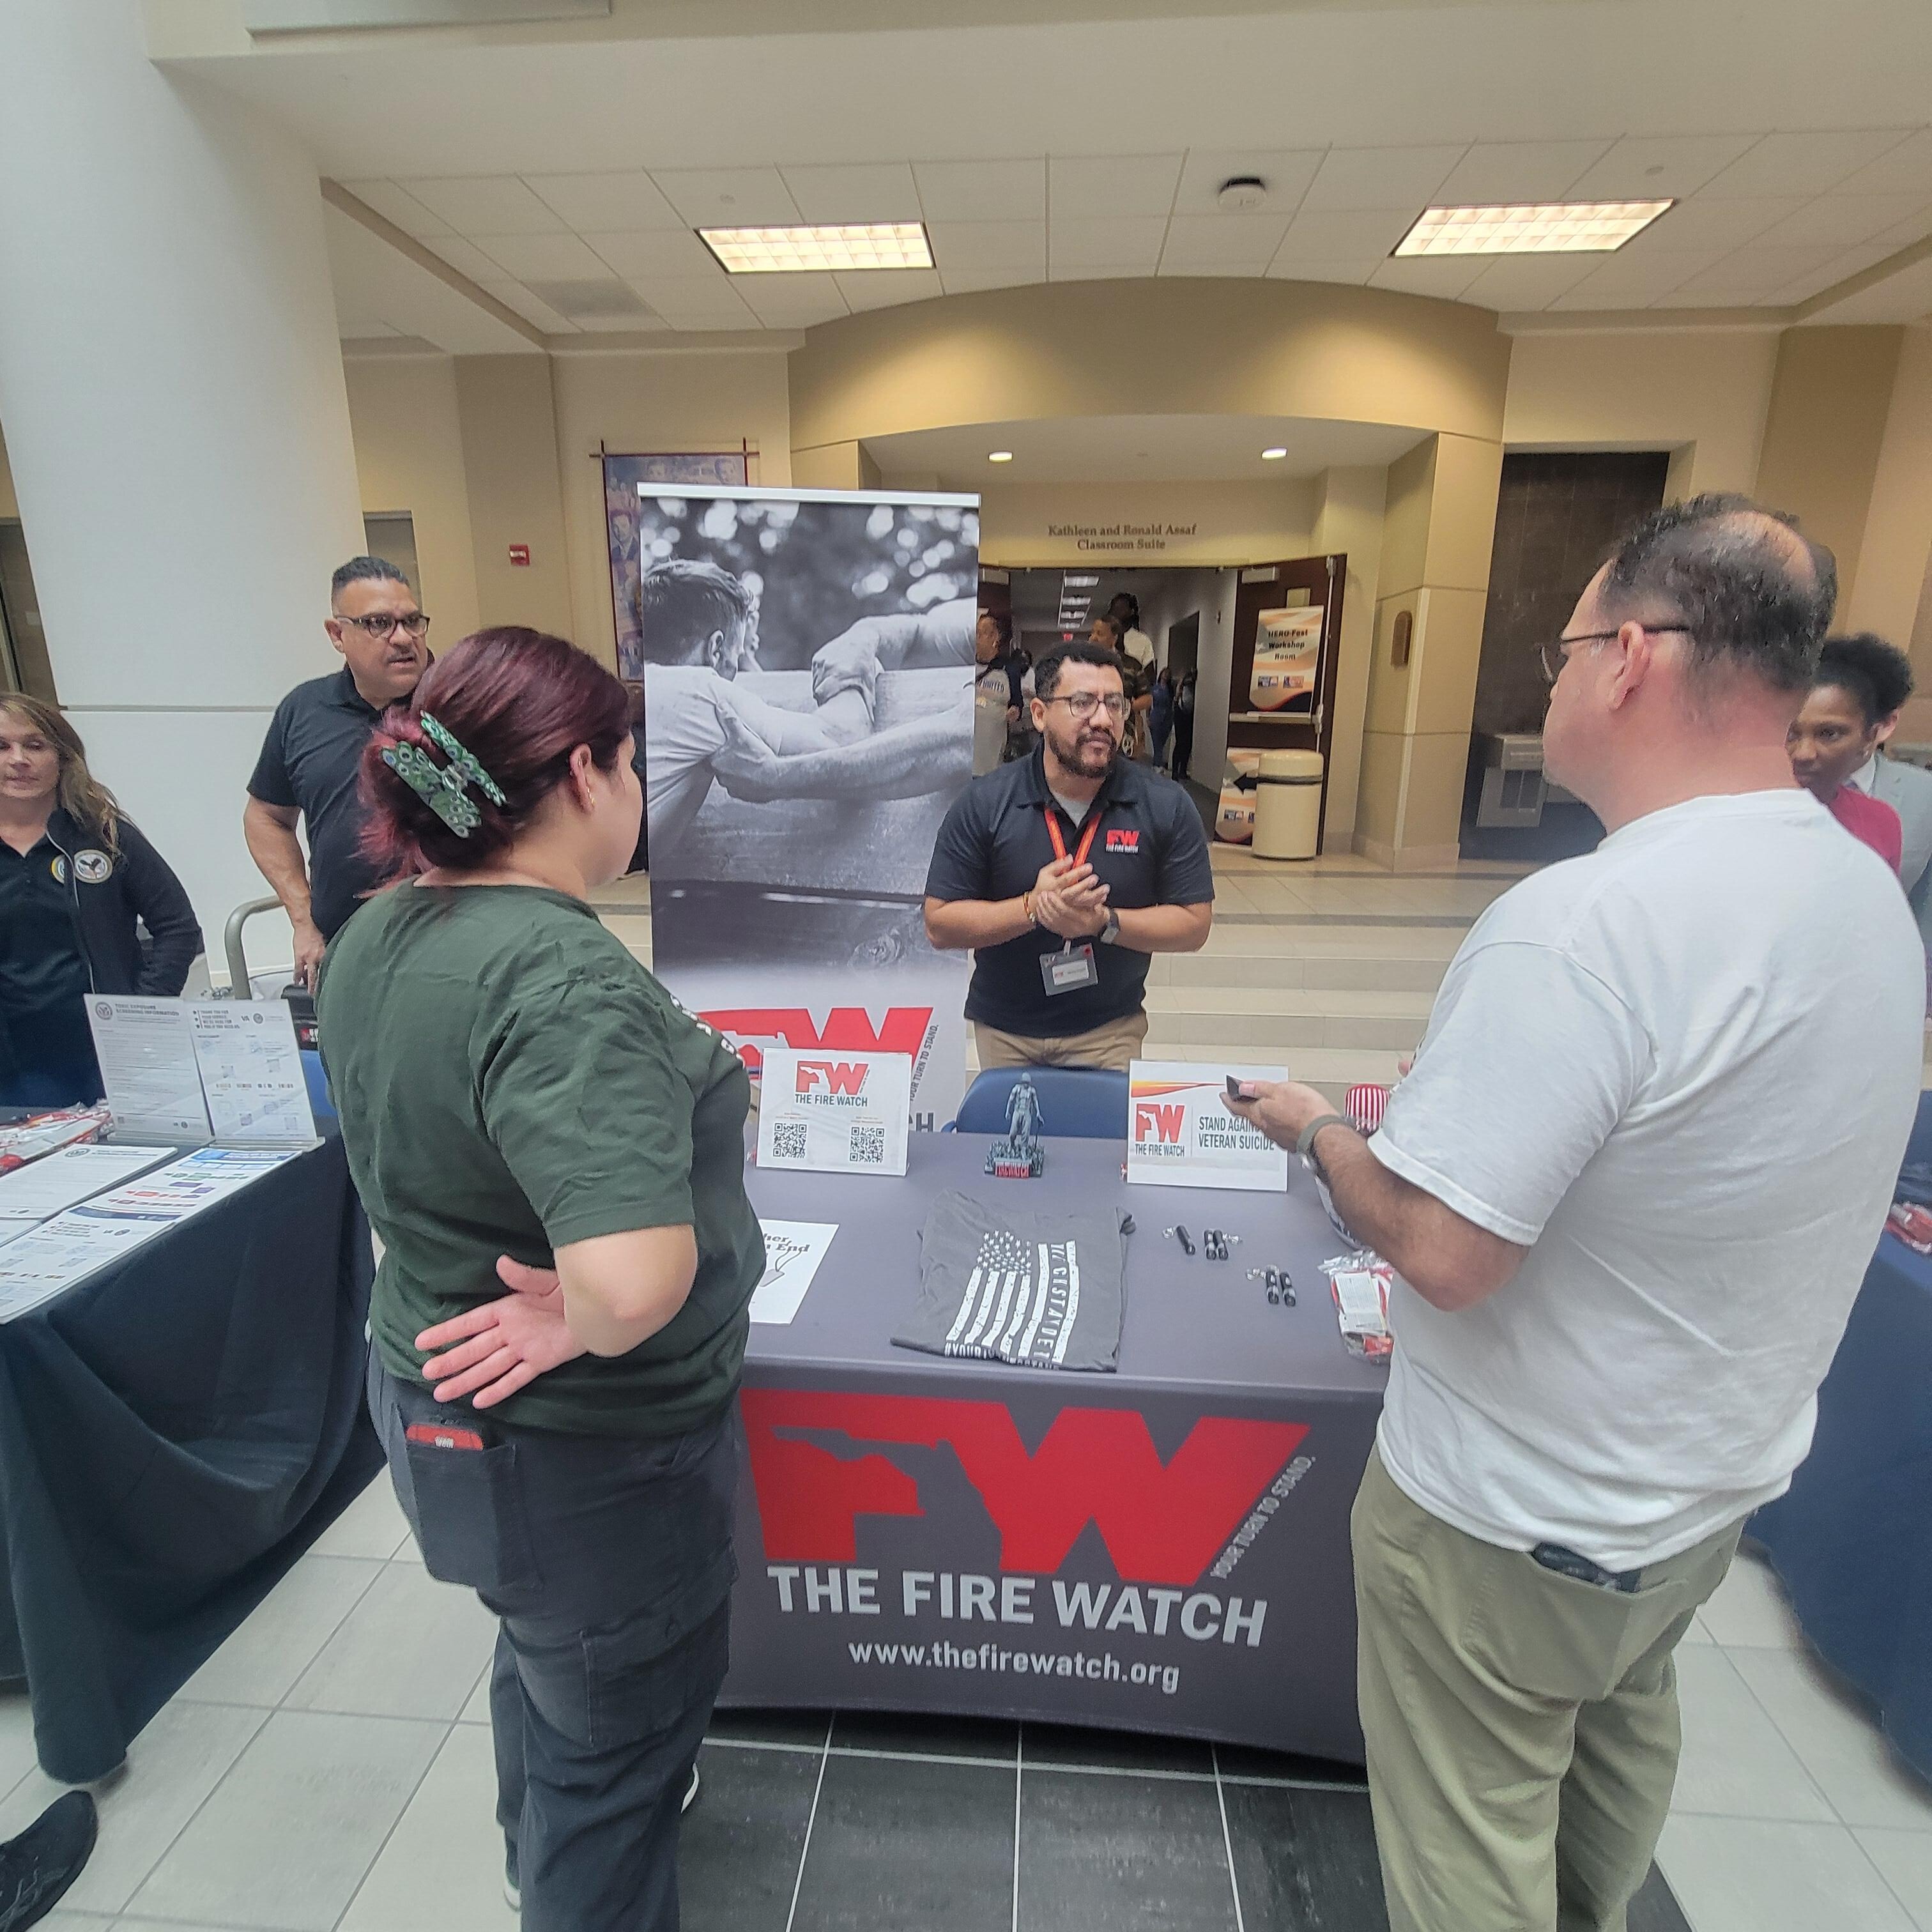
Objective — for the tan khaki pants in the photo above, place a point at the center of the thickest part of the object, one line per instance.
(1522, 1727)
(1116, 1044)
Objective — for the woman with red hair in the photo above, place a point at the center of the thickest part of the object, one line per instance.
(524, 1106)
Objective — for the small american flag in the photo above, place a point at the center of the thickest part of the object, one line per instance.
(1365, 1106)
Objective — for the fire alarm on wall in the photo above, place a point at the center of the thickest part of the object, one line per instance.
(520, 553)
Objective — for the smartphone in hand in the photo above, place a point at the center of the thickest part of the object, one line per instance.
(1234, 1092)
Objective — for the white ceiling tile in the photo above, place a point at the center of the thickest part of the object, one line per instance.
(352, 331)
(792, 301)
(465, 258)
(1904, 170)
(1358, 272)
(1700, 222)
(669, 252)
(886, 288)
(1903, 234)
(1621, 284)
(728, 197)
(1099, 185)
(707, 323)
(1756, 271)
(1494, 173)
(969, 281)
(543, 258)
(1444, 275)
(1133, 240)
(1364, 178)
(1286, 171)
(1221, 244)
(1810, 164)
(989, 244)
(475, 204)
(397, 205)
(695, 304)
(982, 190)
(518, 299)
(884, 193)
(1652, 167)
(1844, 219)
(1528, 282)
(606, 203)
(1098, 271)
(1852, 262)
(1328, 236)
(621, 325)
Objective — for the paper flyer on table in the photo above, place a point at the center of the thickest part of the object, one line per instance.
(251, 1071)
(793, 1252)
(148, 1066)
(60, 1253)
(184, 1187)
(1180, 1134)
(835, 1113)
(64, 1179)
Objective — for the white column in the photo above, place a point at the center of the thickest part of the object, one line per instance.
(171, 384)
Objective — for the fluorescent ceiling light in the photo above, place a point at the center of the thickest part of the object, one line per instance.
(999, 456)
(800, 250)
(1079, 583)
(1273, 455)
(1547, 228)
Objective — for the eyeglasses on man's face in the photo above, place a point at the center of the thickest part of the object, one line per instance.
(1083, 704)
(379, 626)
(1555, 655)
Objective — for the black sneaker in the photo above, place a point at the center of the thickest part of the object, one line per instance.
(37, 1867)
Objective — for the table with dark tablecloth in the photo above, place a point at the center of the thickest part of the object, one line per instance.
(1162, 1548)
(1852, 1537)
(174, 1431)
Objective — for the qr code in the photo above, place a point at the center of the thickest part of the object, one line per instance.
(788, 1140)
(868, 1146)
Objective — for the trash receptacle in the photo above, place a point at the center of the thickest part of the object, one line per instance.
(1287, 805)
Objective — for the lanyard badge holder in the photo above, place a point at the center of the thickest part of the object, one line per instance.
(1074, 966)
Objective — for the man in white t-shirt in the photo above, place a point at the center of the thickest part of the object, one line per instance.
(1630, 1189)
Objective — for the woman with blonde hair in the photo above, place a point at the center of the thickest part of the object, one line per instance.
(78, 882)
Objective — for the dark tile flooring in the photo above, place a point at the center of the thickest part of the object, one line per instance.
(814, 1823)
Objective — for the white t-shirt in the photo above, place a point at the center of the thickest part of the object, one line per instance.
(1681, 1070)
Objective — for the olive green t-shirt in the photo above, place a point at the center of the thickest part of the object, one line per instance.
(510, 1081)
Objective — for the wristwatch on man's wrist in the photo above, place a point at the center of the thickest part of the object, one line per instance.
(1304, 1144)
(1109, 933)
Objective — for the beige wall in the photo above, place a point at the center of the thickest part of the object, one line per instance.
(1204, 524)
(1701, 393)
(1348, 519)
(640, 401)
(409, 456)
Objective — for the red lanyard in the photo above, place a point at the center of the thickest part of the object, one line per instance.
(1086, 845)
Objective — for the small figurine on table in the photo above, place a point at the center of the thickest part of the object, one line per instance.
(1019, 1157)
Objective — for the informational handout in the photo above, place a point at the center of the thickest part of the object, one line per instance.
(60, 1253)
(184, 1186)
(39, 1191)
(835, 1112)
(793, 1252)
(148, 1066)
(1180, 1134)
(251, 1071)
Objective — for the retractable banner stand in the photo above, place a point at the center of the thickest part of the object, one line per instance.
(806, 657)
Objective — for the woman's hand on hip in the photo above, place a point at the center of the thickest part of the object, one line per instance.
(492, 1351)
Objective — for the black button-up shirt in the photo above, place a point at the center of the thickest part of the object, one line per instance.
(1150, 849)
(310, 760)
(42, 972)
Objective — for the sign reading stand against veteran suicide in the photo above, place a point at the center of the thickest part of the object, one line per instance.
(1179, 1134)
(835, 1113)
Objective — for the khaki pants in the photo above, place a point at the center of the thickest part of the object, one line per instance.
(1114, 1045)
(1522, 1727)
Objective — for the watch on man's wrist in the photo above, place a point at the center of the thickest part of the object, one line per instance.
(1109, 933)
(1304, 1143)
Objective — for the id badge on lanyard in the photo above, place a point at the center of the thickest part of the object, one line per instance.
(1074, 966)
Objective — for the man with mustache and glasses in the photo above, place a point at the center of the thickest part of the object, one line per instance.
(1062, 872)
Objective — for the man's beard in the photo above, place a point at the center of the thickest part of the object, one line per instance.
(1086, 760)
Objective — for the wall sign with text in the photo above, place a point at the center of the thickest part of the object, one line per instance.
(1179, 1135)
(835, 1113)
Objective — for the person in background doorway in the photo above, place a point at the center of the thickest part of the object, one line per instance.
(1160, 715)
(523, 1106)
(78, 882)
(310, 758)
(1135, 645)
(1183, 726)
(1062, 874)
(1136, 680)
(1837, 753)
(1620, 1275)
(997, 695)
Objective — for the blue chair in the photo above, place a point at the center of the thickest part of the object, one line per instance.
(319, 1102)
(1083, 1103)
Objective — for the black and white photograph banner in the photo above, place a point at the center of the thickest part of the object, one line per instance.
(806, 657)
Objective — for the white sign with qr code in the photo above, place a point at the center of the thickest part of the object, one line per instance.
(835, 1112)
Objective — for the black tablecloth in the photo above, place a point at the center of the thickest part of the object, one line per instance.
(1852, 1537)
(173, 1432)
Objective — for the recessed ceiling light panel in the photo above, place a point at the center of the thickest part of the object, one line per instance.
(999, 456)
(1273, 455)
(806, 251)
(1542, 228)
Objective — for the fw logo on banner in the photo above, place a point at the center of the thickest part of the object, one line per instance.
(851, 1115)
(830, 1076)
(1183, 1136)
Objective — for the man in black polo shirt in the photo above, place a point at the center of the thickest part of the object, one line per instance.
(313, 750)
(1062, 872)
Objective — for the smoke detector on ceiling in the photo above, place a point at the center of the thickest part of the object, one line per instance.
(1242, 195)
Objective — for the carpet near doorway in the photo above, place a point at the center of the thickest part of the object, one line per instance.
(819, 1822)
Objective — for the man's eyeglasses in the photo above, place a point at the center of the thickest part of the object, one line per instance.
(1083, 704)
(1555, 655)
(378, 626)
